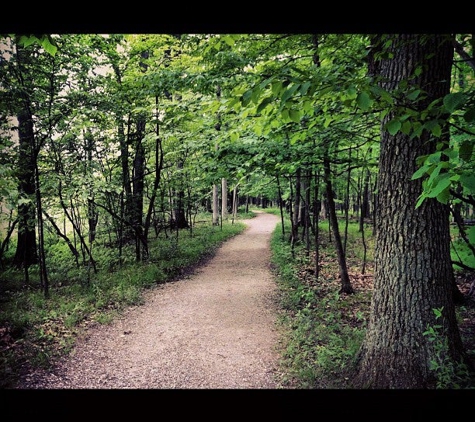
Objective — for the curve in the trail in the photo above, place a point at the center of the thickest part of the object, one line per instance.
(214, 329)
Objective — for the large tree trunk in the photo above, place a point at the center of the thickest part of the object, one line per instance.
(413, 271)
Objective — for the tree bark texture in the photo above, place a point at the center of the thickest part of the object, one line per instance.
(413, 271)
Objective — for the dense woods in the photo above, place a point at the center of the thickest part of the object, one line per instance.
(111, 142)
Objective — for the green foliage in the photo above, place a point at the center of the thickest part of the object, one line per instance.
(44, 40)
(461, 252)
(448, 374)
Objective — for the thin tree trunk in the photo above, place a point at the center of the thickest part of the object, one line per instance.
(297, 200)
(307, 211)
(41, 239)
(138, 189)
(5, 242)
(316, 213)
(224, 199)
(73, 250)
(281, 205)
(158, 172)
(215, 205)
(346, 286)
(76, 228)
(347, 202)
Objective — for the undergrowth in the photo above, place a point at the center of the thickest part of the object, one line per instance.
(322, 329)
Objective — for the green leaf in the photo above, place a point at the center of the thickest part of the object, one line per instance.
(406, 128)
(265, 82)
(469, 115)
(465, 151)
(276, 87)
(471, 235)
(24, 201)
(421, 199)
(294, 115)
(26, 40)
(437, 130)
(468, 182)
(228, 40)
(328, 120)
(453, 101)
(420, 172)
(443, 182)
(444, 196)
(393, 126)
(263, 104)
(256, 92)
(288, 94)
(285, 114)
(304, 88)
(434, 158)
(48, 45)
(308, 106)
(433, 175)
(364, 101)
(414, 94)
(434, 127)
(296, 138)
(246, 97)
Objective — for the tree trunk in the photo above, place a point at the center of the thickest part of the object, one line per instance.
(26, 253)
(235, 203)
(413, 271)
(158, 173)
(347, 201)
(346, 286)
(316, 222)
(281, 206)
(297, 201)
(41, 238)
(179, 220)
(215, 205)
(92, 214)
(224, 199)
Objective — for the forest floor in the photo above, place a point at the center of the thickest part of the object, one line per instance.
(213, 329)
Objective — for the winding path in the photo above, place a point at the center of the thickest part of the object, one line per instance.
(215, 329)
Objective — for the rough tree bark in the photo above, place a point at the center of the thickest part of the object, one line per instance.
(413, 271)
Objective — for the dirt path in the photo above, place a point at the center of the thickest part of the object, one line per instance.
(215, 329)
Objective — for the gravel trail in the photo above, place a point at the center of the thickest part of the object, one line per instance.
(215, 329)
